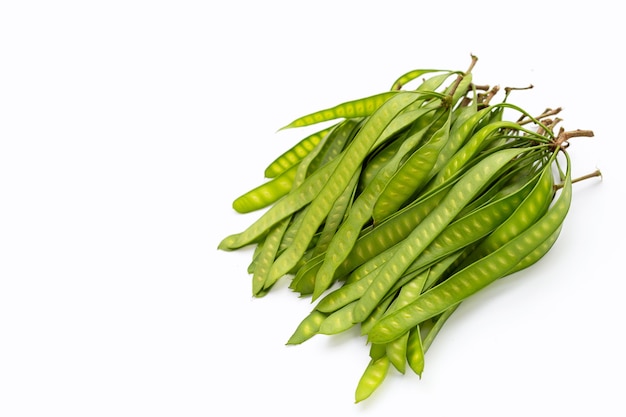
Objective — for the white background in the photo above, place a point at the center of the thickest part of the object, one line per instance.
(128, 127)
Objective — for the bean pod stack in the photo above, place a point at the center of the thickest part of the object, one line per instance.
(412, 201)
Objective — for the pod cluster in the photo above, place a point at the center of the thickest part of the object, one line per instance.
(407, 203)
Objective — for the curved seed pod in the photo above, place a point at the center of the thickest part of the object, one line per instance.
(538, 253)
(413, 119)
(415, 351)
(360, 213)
(463, 128)
(528, 211)
(284, 207)
(307, 327)
(378, 160)
(421, 111)
(266, 193)
(410, 291)
(397, 351)
(377, 351)
(371, 243)
(460, 195)
(271, 191)
(523, 170)
(272, 243)
(338, 321)
(305, 191)
(438, 321)
(393, 229)
(469, 150)
(336, 216)
(477, 275)
(351, 160)
(436, 326)
(438, 269)
(290, 233)
(472, 227)
(257, 250)
(376, 314)
(346, 293)
(266, 257)
(361, 107)
(338, 139)
(294, 155)
(371, 379)
(414, 74)
(433, 103)
(412, 175)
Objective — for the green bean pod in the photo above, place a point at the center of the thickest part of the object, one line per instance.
(266, 193)
(458, 235)
(338, 139)
(469, 150)
(372, 242)
(372, 378)
(295, 154)
(477, 275)
(361, 107)
(526, 213)
(428, 84)
(415, 351)
(360, 213)
(460, 194)
(350, 162)
(308, 327)
(412, 175)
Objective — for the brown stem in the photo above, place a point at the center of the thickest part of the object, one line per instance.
(548, 123)
(456, 83)
(561, 140)
(484, 87)
(596, 173)
(490, 94)
(547, 112)
(507, 90)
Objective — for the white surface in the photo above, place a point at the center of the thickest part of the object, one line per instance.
(128, 127)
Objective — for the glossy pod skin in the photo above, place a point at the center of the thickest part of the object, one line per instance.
(359, 214)
(295, 154)
(408, 203)
(456, 236)
(458, 196)
(349, 163)
(272, 242)
(371, 243)
(477, 275)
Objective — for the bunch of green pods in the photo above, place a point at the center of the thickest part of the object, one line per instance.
(412, 201)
